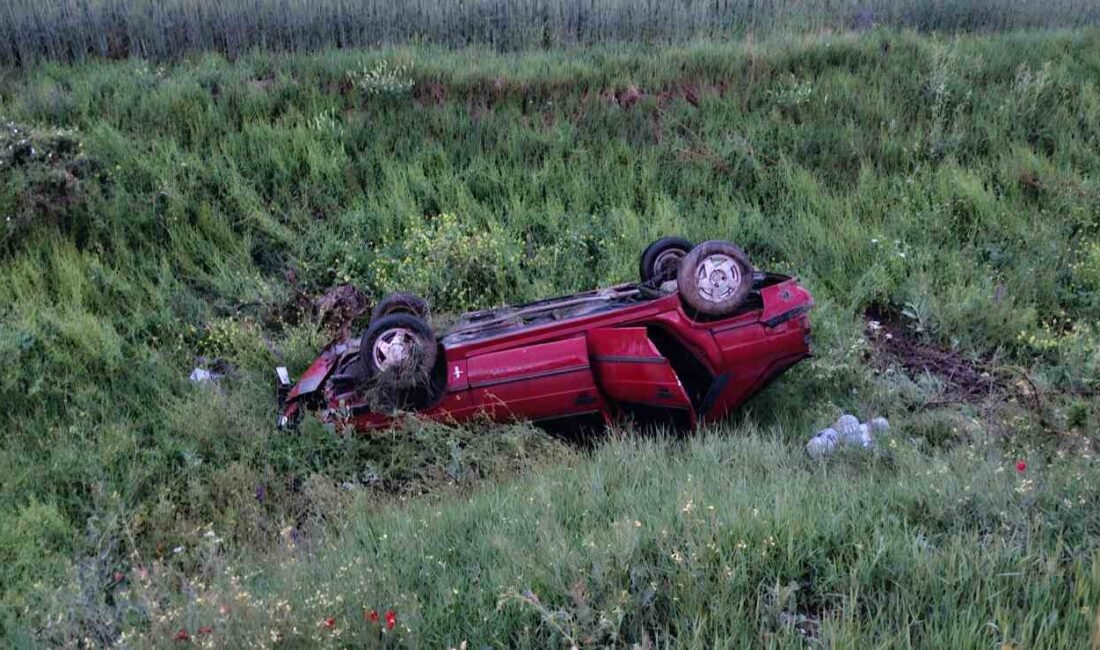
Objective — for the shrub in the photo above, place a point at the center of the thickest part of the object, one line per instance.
(455, 263)
(383, 79)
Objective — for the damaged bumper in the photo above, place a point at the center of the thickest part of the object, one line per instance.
(291, 396)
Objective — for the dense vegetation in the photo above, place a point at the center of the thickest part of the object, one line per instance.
(153, 214)
(32, 30)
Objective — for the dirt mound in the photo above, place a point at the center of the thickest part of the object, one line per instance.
(964, 379)
(339, 307)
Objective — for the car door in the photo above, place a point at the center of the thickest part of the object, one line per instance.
(637, 378)
(538, 382)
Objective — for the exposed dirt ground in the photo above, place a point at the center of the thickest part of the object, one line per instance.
(965, 380)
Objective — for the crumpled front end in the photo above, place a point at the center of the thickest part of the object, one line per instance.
(294, 398)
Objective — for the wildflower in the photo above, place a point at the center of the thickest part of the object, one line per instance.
(1021, 466)
(329, 622)
(182, 636)
(205, 629)
(371, 616)
(391, 619)
(119, 576)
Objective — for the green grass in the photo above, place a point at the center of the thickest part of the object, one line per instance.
(153, 213)
(732, 540)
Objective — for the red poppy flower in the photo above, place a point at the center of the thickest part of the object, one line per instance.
(329, 622)
(371, 616)
(182, 635)
(205, 629)
(391, 619)
(1021, 466)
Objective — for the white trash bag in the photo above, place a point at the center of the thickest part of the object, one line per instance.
(849, 431)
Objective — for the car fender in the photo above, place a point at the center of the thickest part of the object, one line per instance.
(314, 376)
(783, 302)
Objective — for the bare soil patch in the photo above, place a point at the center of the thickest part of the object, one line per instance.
(965, 380)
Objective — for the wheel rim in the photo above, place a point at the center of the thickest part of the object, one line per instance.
(393, 348)
(718, 277)
(667, 261)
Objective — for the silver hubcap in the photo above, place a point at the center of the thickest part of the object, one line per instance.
(667, 260)
(718, 277)
(393, 348)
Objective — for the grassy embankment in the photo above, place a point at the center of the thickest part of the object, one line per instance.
(168, 212)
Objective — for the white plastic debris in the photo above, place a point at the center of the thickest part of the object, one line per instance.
(202, 375)
(849, 431)
(865, 439)
(823, 444)
(847, 426)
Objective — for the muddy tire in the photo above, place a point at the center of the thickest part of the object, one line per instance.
(398, 350)
(662, 258)
(401, 303)
(714, 278)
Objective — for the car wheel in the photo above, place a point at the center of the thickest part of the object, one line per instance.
(398, 350)
(714, 278)
(661, 258)
(401, 303)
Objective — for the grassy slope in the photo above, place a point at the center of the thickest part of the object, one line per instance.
(954, 179)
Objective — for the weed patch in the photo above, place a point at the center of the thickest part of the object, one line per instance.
(44, 175)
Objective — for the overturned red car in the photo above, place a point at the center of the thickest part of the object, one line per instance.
(696, 336)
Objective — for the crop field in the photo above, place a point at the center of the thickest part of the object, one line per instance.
(940, 195)
(32, 30)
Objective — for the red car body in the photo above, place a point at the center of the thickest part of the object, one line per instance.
(589, 359)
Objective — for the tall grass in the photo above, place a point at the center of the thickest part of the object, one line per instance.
(151, 214)
(74, 29)
(731, 540)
